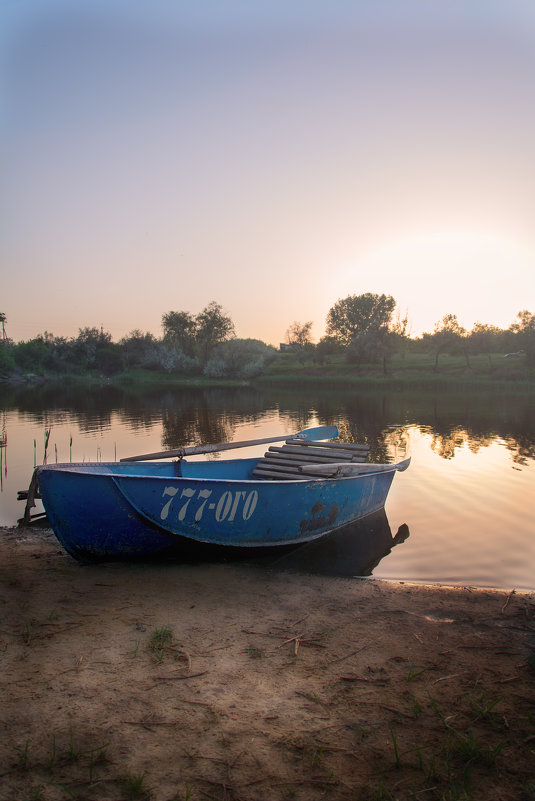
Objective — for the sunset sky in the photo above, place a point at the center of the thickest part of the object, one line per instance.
(273, 156)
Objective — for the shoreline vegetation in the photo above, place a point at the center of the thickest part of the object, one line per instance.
(286, 370)
(364, 344)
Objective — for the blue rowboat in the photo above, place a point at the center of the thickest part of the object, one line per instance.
(131, 509)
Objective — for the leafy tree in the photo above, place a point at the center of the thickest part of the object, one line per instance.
(524, 330)
(136, 345)
(213, 327)
(32, 355)
(449, 336)
(401, 325)
(369, 346)
(109, 359)
(93, 336)
(400, 330)
(93, 349)
(359, 314)
(180, 329)
(299, 334)
(484, 338)
(60, 352)
(7, 362)
(327, 346)
(197, 336)
(44, 352)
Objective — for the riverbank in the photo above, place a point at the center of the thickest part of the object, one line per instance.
(223, 681)
(414, 372)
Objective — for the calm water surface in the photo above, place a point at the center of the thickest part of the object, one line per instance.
(462, 514)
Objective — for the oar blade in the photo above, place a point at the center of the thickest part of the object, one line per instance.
(322, 432)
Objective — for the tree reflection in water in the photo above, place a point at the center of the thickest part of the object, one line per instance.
(95, 420)
(454, 420)
(191, 416)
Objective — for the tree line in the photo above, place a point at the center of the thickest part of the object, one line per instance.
(202, 344)
(364, 328)
(367, 330)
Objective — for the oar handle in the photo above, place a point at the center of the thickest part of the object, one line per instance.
(322, 432)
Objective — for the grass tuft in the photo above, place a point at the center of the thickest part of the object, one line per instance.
(160, 641)
(484, 710)
(134, 785)
(27, 632)
(24, 755)
(73, 751)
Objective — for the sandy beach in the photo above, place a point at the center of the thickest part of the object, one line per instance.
(226, 681)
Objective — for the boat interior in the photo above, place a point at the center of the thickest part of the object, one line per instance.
(289, 462)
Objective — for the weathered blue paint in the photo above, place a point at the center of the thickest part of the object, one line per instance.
(133, 509)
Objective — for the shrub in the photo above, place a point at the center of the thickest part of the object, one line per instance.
(7, 362)
(239, 358)
(169, 358)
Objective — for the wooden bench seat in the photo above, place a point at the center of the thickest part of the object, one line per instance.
(290, 461)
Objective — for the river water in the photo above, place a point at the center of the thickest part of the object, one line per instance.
(462, 514)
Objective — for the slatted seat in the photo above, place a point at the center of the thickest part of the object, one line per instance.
(290, 461)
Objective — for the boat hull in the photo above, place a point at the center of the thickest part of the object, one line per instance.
(118, 511)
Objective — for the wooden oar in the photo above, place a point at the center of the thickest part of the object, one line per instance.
(323, 432)
(337, 470)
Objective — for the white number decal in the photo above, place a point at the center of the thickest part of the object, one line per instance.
(250, 505)
(202, 494)
(226, 508)
(223, 507)
(237, 499)
(172, 491)
(186, 493)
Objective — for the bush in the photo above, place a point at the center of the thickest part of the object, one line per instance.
(365, 347)
(239, 358)
(7, 362)
(32, 355)
(169, 358)
(109, 359)
(135, 346)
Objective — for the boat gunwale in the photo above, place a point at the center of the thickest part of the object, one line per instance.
(67, 468)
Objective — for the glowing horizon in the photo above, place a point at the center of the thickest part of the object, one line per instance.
(159, 158)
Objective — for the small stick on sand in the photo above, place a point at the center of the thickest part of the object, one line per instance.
(341, 658)
(180, 678)
(506, 604)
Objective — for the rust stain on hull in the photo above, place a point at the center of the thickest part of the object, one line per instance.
(319, 519)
